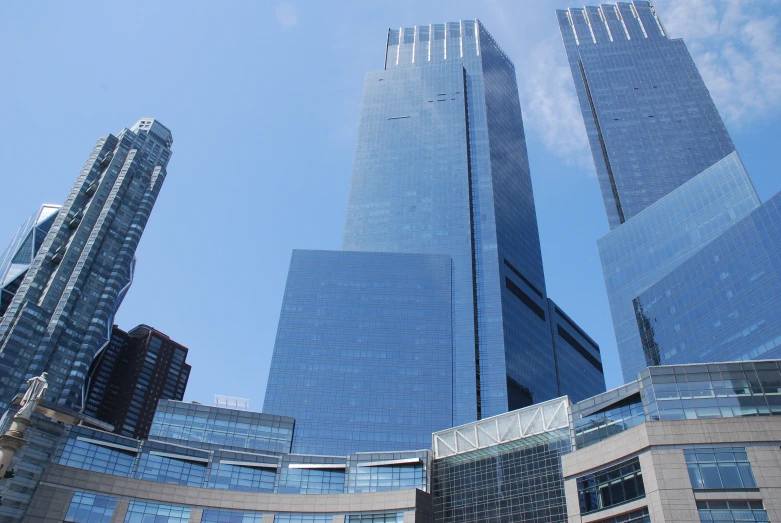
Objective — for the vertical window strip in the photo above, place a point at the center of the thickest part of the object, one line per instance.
(604, 21)
(623, 24)
(572, 25)
(588, 23)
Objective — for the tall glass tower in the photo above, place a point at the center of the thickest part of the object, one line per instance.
(62, 313)
(441, 167)
(650, 120)
(440, 182)
(690, 263)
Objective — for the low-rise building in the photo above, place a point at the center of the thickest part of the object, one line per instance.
(683, 443)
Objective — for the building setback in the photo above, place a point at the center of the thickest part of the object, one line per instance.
(136, 370)
(61, 316)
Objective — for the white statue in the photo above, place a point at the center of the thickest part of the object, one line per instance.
(36, 388)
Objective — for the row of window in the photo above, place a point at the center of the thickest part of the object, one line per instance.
(611, 486)
(82, 454)
(709, 468)
(96, 508)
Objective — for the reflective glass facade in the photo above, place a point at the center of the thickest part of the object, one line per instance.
(666, 234)
(579, 370)
(719, 468)
(146, 512)
(214, 428)
(440, 172)
(362, 359)
(515, 481)
(182, 451)
(383, 472)
(172, 465)
(21, 252)
(243, 478)
(723, 303)
(90, 508)
(680, 392)
(441, 167)
(231, 516)
(650, 120)
(311, 481)
(606, 415)
(88, 449)
(64, 307)
(732, 511)
(611, 486)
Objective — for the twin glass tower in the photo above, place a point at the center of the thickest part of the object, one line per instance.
(435, 314)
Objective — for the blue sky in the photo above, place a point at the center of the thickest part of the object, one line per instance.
(263, 99)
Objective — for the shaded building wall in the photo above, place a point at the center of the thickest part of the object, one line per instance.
(579, 370)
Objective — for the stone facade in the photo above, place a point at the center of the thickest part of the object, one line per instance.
(59, 483)
(660, 446)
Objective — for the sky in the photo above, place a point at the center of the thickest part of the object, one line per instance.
(263, 101)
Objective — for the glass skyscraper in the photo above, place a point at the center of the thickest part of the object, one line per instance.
(62, 313)
(438, 314)
(682, 251)
(650, 120)
(441, 167)
(21, 252)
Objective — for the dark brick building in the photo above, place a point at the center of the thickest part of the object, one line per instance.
(135, 371)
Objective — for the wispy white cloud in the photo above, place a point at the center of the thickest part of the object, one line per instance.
(736, 47)
(550, 106)
(735, 44)
(529, 34)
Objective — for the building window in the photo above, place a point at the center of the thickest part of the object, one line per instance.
(247, 479)
(303, 518)
(611, 486)
(230, 516)
(170, 470)
(732, 511)
(721, 468)
(88, 456)
(383, 478)
(311, 481)
(604, 424)
(391, 517)
(142, 511)
(90, 508)
(636, 516)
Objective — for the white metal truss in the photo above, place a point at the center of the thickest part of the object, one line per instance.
(518, 424)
